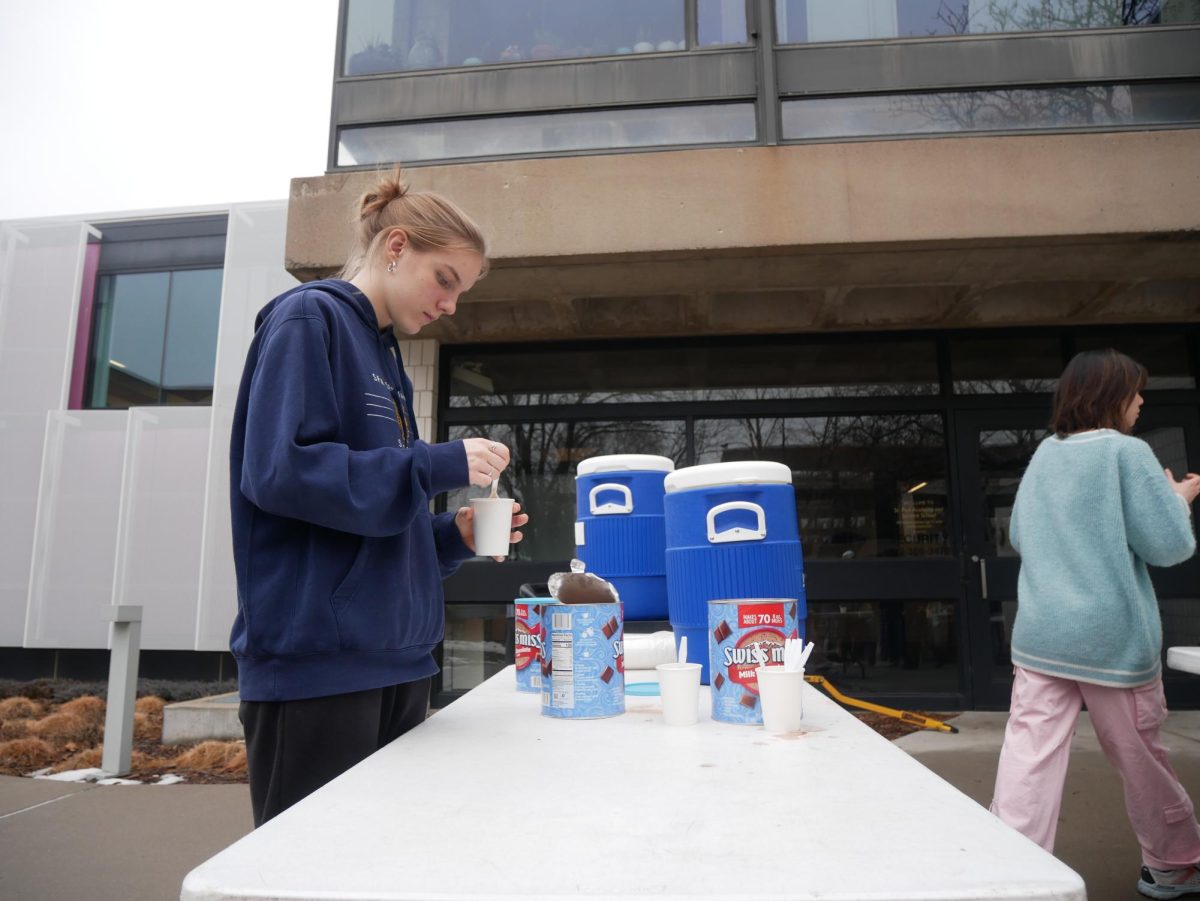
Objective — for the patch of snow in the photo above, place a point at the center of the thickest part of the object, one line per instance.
(91, 774)
(169, 779)
(42, 772)
(113, 780)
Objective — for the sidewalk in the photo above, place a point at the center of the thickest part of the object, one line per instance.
(65, 841)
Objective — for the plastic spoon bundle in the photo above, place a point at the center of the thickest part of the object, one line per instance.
(795, 654)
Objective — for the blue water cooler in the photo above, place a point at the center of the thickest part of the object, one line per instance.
(619, 531)
(731, 533)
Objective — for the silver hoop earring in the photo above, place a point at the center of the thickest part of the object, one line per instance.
(391, 267)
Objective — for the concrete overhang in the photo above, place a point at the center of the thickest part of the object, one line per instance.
(951, 232)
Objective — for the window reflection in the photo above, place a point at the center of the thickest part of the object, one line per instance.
(415, 35)
(1008, 109)
(725, 123)
(766, 371)
(866, 486)
(154, 339)
(1005, 365)
(1003, 456)
(885, 646)
(721, 22)
(805, 21)
(478, 644)
(541, 476)
(1164, 354)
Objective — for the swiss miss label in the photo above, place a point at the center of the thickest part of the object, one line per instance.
(529, 639)
(742, 636)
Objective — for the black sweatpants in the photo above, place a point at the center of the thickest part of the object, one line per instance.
(295, 747)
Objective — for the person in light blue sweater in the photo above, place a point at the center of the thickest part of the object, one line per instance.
(1093, 510)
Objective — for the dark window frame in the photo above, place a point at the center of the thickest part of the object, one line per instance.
(152, 246)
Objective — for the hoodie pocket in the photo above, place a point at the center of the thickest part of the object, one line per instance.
(348, 587)
(391, 598)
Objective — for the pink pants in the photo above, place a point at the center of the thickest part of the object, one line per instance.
(1037, 743)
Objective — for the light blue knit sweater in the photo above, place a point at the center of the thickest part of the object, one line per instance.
(1092, 510)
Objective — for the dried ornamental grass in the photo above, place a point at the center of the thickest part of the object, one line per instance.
(82, 760)
(89, 708)
(146, 727)
(225, 756)
(10, 729)
(20, 709)
(26, 754)
(151, 706)
(65, 727)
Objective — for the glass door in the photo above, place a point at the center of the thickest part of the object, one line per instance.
(994, 447)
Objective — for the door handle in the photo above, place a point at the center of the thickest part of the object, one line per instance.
(983, 588)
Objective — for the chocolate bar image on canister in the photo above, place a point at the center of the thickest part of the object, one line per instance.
(718, 680)
(748, 701)
(792, 610)
(722, 631)
(610, 628)
(607, 674)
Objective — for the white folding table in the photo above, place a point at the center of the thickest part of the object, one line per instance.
(1186, 659)
(489, 799)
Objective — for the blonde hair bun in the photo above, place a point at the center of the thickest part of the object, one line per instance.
(430, 221)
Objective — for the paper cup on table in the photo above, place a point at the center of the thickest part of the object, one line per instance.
(493, 525)
(679, 686)
(779, 691)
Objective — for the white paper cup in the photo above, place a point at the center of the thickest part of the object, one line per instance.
(782, 701)
(679, 685)
(493, 525)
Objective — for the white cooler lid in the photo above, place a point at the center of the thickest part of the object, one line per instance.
(625, 463)
(741, 472)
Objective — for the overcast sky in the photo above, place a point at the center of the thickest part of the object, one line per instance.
(115, 105)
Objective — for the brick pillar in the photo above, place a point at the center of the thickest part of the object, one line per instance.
(421, 364)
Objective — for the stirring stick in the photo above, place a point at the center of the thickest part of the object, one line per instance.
(683, 649)
(495, 483)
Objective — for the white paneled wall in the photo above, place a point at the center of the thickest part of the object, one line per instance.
(21, 438)
(113, 506)
(254, 274)
(41, 266)
(75, 539)
(162, 520)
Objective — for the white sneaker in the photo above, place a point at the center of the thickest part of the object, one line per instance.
(1170, 883)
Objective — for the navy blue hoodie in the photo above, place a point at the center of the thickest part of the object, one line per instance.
(339, 561)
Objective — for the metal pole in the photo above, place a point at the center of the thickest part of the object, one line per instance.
(122, 688)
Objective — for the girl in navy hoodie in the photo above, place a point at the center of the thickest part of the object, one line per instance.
(339, 561)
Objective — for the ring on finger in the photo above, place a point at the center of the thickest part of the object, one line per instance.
(492, 447)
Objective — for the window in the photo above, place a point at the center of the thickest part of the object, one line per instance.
(866, 486)
(725, 371)
(614, 129)
(1005, 109)
(982, 364)
(416, 35)
(157, 307)
(810, 21)
(542, 474)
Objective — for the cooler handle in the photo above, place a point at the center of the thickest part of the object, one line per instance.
(737, 533)
(610, 508)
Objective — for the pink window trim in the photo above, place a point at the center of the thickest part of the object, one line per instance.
(83, 327)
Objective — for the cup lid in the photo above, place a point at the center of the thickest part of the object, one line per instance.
(741, 472)
(625, 463)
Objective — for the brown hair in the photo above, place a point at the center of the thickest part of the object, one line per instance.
(1094, 391)
(430, 221)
